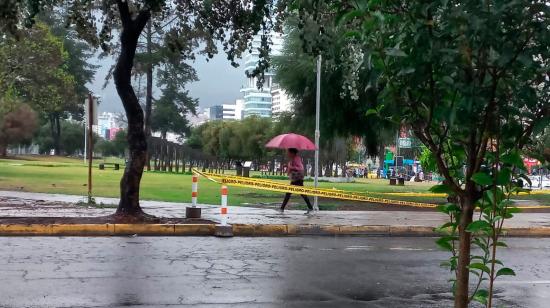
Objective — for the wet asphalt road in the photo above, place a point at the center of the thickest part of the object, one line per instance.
(250, 272)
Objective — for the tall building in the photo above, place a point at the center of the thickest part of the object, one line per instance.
(206, 113)
(258, 101)
(228, 111)
(216, 112)
(233, 111)
(239, 109)
(105, 122)
(280, 102)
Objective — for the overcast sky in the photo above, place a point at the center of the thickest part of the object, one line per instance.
(218, 83)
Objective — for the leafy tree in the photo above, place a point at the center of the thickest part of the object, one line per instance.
(171, 109)
(116, 147)
(341, 115)
(105, 147)
(232, 22)
(539, 148)
(34, 66)
(155, 53)
(169, 113)
(71, 141)
(76, 62)
(471, 79)
(17, 123)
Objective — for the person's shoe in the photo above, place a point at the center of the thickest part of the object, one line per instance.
(280, 211)
(309, 212)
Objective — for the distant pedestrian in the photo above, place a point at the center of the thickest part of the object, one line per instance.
(295, 172)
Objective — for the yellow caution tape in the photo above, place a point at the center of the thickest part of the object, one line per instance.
(319, 192)
(269, 185)
(414, 194)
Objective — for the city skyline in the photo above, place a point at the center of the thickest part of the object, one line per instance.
(217, 71)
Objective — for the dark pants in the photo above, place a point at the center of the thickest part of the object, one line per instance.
(287, 196)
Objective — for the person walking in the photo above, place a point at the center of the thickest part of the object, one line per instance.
(295, 173)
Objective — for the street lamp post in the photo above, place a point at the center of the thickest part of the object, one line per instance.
(317, 131)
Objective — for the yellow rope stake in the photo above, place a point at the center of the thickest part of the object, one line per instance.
(268, 185)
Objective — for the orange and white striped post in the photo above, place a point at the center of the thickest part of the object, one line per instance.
(194, 190)
(223, 209)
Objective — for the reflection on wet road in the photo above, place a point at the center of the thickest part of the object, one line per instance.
(250, 272)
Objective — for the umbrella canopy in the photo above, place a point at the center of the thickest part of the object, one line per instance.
(287, 141)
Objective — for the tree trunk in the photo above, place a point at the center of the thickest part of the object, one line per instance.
(463, 273)
(163, 151)
(3, 150)
(171, 159)
(58, 136)
(149, 88)
(137, 142)
(55, 129)
(157, 155)
(177, 160)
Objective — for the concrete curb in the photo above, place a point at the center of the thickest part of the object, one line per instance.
(237, 230)
(106, 229)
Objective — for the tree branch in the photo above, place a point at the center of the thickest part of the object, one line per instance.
(124, 11)
(142, 18)
(443, 168)
(543, 112)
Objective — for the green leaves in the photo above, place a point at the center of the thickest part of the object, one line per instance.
(481, 296)
(445, 242)
(480, 266)
(448, 208)
(353, 34)
(441, 189)
(504, 176)
(478, 226)
(482, 178)
(505, 271)
(446, 225)
(513, 158)
(394, 52)
(345, 17)
(510, 211)
(371, 112)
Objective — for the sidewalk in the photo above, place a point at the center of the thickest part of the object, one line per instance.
(258, 221)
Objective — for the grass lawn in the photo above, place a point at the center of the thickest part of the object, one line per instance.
(69, 176)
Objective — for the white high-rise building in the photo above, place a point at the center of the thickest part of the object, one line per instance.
(239, 109)
(258, 101)
(105, 122)
(233, 111)
(280, 102)
(206, 113)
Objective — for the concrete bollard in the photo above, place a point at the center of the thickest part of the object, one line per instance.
(223, 209)
(194, 190)
(223, 229)
(194, 211)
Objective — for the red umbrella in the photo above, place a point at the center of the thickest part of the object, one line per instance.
(287, 141)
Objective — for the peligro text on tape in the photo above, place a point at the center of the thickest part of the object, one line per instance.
(327, 193)
(264, 184)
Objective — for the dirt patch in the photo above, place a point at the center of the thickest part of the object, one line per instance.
(97, 220)
(15, 210)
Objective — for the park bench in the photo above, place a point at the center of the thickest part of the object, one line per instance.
(115, 166)
(397, 181)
